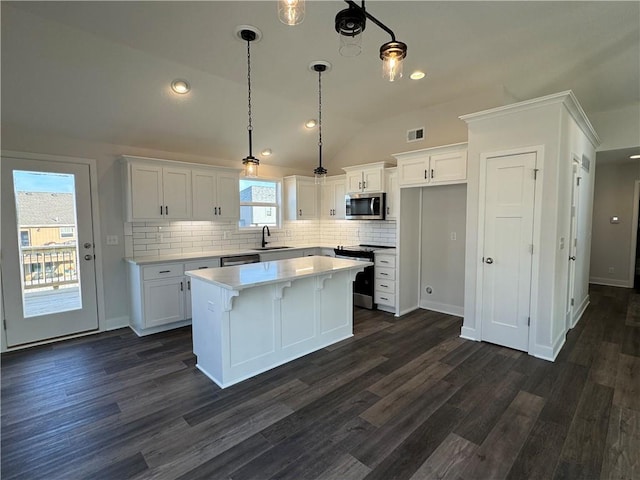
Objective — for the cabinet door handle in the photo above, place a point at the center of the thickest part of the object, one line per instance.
(182, 286)
(188, 284)
(166, 210)
(160, 209)
(359, 185)
(300, 212)
(364, 185)
(215, 210)
(219, 210)
(432, 173)
(384, 298)
(383, 285)
(387, 210)
(164, 271)
(384, 274)
(425, 175)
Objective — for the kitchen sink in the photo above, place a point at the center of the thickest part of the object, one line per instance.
(270, 248)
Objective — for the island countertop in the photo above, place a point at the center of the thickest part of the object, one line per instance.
(254, 274)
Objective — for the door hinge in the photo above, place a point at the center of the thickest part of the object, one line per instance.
(572, 302)
(528, 321)
(531, 248)
(4, 323)
(535, 173)
(578, 181)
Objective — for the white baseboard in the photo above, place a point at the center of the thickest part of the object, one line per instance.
(610, 282)
(549, 353)
(454, 310)
(161, 328)
(407, 310)
(116, 323)
(580, 311)
(469, 334)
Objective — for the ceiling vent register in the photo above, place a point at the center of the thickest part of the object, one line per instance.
(415, 135)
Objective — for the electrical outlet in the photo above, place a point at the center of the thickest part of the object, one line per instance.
(288, 233)
(453, 235)
(226, 235)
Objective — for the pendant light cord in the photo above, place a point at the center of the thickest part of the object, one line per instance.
(320, 118)
(250, 126)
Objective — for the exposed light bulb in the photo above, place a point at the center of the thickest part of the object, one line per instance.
(417, 75)
(392, 55)
(291, 12)
(310, 123)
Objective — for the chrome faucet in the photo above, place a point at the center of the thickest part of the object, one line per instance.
(264, 243)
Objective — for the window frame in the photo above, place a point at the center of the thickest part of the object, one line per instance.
(278, 205)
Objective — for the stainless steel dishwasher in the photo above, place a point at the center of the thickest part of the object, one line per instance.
(239, 260)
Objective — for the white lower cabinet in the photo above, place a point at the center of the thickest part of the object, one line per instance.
(161, 295)
(385, 282)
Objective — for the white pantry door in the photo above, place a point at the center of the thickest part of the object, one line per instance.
(48, 264)
(573, 246)
(507, 254)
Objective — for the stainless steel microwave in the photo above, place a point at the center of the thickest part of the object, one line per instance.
(365, 206)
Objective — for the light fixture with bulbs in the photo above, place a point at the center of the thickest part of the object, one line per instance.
(351, 22)
(320, 66)
(291, 12)
(180, 86)
(249, 34)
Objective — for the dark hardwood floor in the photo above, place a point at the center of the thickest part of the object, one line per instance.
(405, 398)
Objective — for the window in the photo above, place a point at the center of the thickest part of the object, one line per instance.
(66, 232)
(24, 238)
(259, 203)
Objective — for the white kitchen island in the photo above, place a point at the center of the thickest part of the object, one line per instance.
(250, 318)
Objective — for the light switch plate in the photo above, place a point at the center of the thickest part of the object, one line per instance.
(112, 240)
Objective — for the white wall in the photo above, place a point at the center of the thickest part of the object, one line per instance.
(442, 258)
(611, 243)
(550, 127)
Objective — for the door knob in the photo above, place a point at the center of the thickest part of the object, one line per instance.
(572, 258)
(88, 257)
(489, 260)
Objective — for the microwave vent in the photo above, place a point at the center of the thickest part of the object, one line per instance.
(415, 135)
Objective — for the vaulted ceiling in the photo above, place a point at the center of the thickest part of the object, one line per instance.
(100, 71)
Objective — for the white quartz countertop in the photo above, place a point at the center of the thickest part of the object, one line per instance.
(178, 257)
(255, 274)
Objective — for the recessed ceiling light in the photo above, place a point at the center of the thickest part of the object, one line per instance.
(417, 75)
(180, 86)
(266, 152)
(635, 157)
(310, 123)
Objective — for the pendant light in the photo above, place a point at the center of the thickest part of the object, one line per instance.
(291, 12)
(320, 173)
(249, 34)
(351, 22)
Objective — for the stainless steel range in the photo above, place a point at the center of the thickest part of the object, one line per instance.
(363, 285)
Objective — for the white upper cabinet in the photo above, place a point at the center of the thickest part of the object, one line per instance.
(216, 195)
(301, 198)
(393, 194)
(366, 178)
(433, 166)
(155, 192)
(332, 198)
(166, 190)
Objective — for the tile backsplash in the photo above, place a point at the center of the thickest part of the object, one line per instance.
(167, 238)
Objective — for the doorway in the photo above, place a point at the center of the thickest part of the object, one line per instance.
(48, 268)
(508, 187)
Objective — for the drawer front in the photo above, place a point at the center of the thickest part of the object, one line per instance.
(385, 261)
(385, 273)
(201, 264)
(385, 299)
(154, 272)
(384, 286)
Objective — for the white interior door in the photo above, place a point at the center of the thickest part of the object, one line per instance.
(573, 246)
(48, 263)
(509, 193)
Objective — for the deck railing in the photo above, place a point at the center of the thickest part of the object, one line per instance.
(49, 266)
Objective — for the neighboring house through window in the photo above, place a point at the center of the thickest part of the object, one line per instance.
(259, 203)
